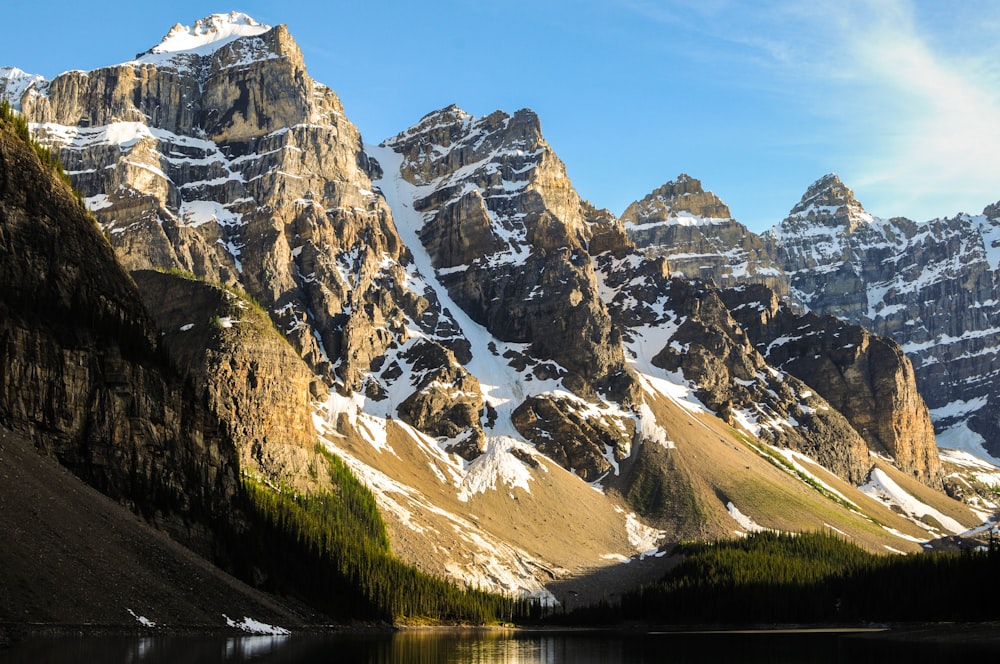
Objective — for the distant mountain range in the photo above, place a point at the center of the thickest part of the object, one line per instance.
(535, 390)
(931, 286)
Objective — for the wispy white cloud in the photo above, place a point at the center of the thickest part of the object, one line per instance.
(906, 94)
(935, 135)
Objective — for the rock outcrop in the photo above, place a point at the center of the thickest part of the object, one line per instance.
(447, 401)
(682, 199)
(931, 286)
(686, 329)
(582, 439)
(694, 230)
(865, 377)
(509, 238)
(736, 381)
(250, 376)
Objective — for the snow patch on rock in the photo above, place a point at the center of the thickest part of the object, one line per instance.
(882, 487)
(252, 626)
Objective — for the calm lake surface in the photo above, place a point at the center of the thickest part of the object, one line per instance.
(420, 647)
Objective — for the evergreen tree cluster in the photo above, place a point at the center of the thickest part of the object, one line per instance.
(332, 551)
(784, 578)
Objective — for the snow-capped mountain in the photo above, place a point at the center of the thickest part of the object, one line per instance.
(529, 396)
(207, 36)
(931, 286)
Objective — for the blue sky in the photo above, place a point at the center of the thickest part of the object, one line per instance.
(901, 98)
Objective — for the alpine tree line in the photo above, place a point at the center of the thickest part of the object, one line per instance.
(19, 126)
(331, 550)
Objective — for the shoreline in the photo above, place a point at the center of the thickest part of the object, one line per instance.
(946, 638)
(11, 633)
(988, 630)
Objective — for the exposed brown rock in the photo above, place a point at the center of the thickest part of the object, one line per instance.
(694, 230)
(577, 441)
(249, 175)
(447, 401)
(522, 231)
(253, 380)
(711, 350)
(866, 377)
(683, 194)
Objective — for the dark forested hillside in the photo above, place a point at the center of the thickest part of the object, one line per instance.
(818, 578)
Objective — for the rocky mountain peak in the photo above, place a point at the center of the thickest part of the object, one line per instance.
(449, 138)
(694, 230)
(500, 219)
(681, 200)
(682, 185)
(208, 34)
(435, 125)
(221, 46)
(829, 202)
(13, 83)
(992, 211)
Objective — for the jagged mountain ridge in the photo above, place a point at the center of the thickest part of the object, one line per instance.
(223, 181)
(479, 326)
(930, 286)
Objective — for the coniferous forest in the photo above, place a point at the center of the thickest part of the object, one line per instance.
(332, 551)
(772, 578)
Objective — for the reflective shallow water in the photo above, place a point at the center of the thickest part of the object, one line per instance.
(482, 647)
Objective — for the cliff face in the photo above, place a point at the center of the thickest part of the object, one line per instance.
(247, 373)
(687, 329)
(83, 374)
(231, 163)
(509, 237)
(865, 377)
(930, 286)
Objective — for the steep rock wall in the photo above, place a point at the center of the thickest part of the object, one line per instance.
(866, 377)
(83, 373)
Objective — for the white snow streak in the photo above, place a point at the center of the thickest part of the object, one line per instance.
(252, 626)
(642, 537)
(882, 487)
(746, 523)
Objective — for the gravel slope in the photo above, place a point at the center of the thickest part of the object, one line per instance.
(71, 556)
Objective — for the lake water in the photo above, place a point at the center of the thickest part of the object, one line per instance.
(479, 647)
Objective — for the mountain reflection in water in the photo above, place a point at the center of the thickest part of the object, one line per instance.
(484, 647)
